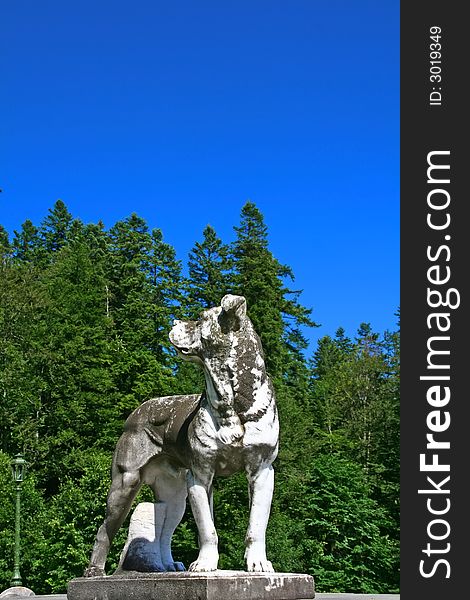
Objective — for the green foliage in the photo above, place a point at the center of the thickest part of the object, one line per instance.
(347, 545)
(84, 321)
(55, 228)
(5, 247)
(209, 272)
(273, 308)
(26, 243)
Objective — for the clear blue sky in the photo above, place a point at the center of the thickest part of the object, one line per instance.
(180, 111)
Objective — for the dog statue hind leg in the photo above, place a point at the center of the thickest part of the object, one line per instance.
(124, 488)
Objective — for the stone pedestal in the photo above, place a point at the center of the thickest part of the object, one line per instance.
(216, 585)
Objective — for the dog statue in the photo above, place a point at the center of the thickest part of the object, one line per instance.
(177, 444)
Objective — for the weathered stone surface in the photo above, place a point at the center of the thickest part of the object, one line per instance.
(318, 596)
(218, 585)
(178, 444)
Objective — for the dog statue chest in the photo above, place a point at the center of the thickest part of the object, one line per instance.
(207, 451)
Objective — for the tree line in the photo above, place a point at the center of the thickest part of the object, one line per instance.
(85, 313)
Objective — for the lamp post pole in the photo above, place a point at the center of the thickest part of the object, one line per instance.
(18, 467)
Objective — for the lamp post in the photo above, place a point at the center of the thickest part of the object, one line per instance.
(18, 465)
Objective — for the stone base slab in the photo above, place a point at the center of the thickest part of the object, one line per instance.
(216, 585)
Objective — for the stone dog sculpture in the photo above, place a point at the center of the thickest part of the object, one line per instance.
(177, 444)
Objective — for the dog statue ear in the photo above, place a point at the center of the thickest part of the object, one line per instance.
(233, 311)
(234, 305)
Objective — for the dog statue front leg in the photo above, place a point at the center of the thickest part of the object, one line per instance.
(261, 492)
(199, 491)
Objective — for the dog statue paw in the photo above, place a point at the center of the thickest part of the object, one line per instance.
(256, 561)
(205, 563)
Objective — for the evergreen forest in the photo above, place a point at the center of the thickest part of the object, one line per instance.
(85, 313)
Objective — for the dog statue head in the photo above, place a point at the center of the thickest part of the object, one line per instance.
(213, 332)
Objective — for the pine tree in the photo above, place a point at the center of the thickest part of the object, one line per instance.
(274, 309)
(76, 405)
(97, 240)
(141, 294)
(209, 277)
(166, 283)
(26, 243)
(257, 277)
(329, 353)
(324, 364)
(130, 244)
(55, 227)
(5, 247)
(343, 342)
(21, 304)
